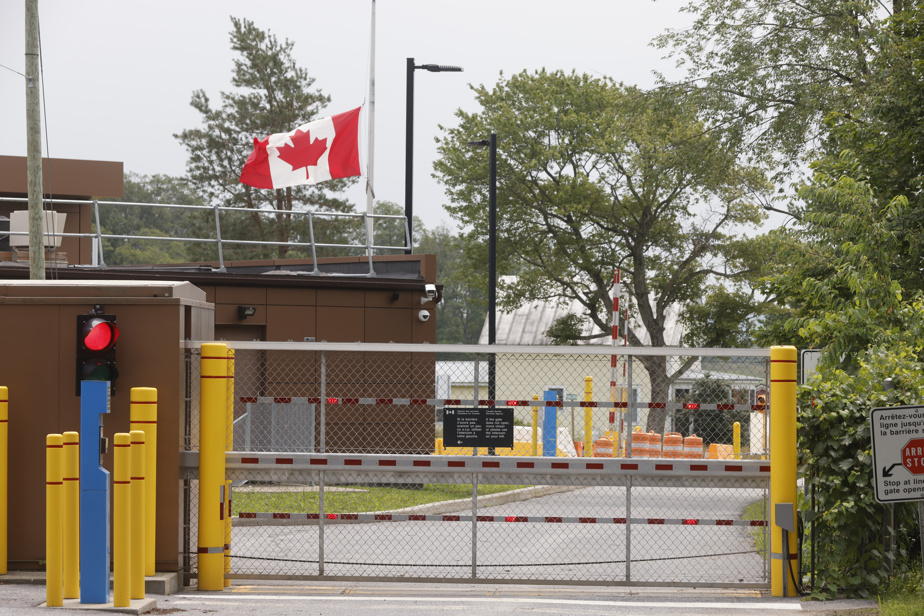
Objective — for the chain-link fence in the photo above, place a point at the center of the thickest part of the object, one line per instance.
(689, 509)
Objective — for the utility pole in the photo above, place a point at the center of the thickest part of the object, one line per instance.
(34, 145)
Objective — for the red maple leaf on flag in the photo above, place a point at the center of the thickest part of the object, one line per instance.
(303, 152)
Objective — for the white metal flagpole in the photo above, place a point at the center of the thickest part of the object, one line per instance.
(370, 193)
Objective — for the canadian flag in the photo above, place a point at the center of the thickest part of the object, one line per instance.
(321, 150)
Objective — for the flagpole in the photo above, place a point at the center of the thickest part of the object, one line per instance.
(369, 189)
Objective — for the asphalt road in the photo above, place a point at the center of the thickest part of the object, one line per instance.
(665, 554)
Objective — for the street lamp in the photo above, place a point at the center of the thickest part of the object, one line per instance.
(492, 261)
(409, 142)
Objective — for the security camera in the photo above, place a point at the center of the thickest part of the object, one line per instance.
(430, 290)
(424, 316)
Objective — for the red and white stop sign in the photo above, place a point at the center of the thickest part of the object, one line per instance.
(913, 456)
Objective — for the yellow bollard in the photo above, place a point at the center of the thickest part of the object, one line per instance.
(229, 446)
(213, 391)
(588, 417)
(143, 416)
(121, 520)
(736, 440)
(139, 511)
(535, 429)
(782, 464)
(4, 476)
(54, 525)
(71, 508)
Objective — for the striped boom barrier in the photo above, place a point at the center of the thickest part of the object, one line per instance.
(410, 517)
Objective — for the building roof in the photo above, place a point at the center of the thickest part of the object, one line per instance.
(528, 324)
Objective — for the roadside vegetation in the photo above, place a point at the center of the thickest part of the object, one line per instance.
(351, 499)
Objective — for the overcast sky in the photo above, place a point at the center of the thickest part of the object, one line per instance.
(118, 75)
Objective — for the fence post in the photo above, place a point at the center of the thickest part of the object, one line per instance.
(71, 531)
(213, 416)
(4, 477)
(535, 428)
(782, 464)
(736, 440)
(143, 416)
(54, 526)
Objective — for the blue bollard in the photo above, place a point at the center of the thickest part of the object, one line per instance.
(550, 425)
(94, 494)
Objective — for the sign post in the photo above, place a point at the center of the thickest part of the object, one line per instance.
(898, 456)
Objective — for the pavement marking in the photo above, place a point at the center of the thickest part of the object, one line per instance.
(736, 605)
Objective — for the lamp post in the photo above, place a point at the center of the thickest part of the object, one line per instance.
(491, 143)
(409, 142)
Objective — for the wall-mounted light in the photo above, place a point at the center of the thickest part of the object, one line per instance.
(245, 311)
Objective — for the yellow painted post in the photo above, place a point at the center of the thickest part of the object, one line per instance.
(588, 417)
(229, 446)
(71, 530)
(782, 464)
(213, 392)
(54, 525)
(121, 520)
(4, 474)
(143, 415)
(535, 430)
(736, 440)
(139, 510)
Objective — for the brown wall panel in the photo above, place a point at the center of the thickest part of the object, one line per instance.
(291, 296)
(341, 297)
(249, 296)
(387, 325)
(390, 299)
(291, 322)
(340, 324)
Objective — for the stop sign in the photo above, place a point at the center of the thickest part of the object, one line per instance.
(913, 456)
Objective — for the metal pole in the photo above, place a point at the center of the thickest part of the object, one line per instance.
(321, 437)
(492, 273)
(321, 516)
(34, 145)
(409, 158)
(474, 526)
(370, 192)
(629, 528)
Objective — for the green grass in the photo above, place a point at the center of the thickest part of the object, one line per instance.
(756, 511)
(358, 499)
(903, 595)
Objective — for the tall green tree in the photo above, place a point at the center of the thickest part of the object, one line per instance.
(593, 175)
(272, 94)
(137, 220)
(773, 70)
(462, 309)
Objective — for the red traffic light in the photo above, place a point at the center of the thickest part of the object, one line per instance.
(96, 350)
(99, 334)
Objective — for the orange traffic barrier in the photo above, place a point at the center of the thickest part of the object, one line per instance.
(654, 444)
(639, 445)
(720, 452)
(603, 448)
(673, 445)
(693, 447)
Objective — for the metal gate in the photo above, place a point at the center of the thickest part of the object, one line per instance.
(351, 487)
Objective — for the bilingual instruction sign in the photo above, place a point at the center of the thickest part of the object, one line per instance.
(898, 453)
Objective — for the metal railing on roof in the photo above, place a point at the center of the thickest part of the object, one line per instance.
(220, 241)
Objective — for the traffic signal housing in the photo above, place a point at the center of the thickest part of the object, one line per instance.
(96, 349)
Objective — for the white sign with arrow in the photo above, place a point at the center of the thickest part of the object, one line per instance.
(898, 453)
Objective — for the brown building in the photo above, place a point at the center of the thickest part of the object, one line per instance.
(160, 306)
